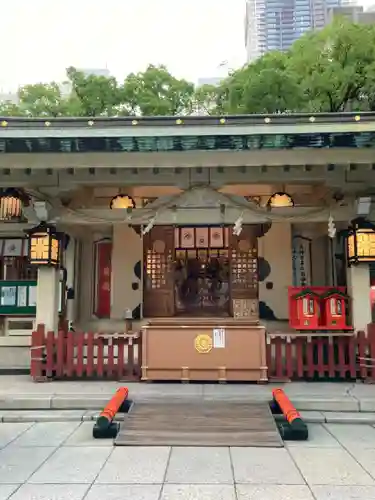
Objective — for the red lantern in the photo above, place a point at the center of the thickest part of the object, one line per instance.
(305, 310)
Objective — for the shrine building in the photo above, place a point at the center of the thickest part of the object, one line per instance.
(177, 221)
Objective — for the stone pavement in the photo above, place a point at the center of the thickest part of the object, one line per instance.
(61, 461)
(20, 393)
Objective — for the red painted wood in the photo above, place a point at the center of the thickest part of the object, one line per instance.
(60, 354)
(352, 357)
(317, 321)
(37, 350)
(341, 349)
(80, 340)
(90, 354)
(70, 355)
(299, 353)
(103, 286)
(321, 342)
(371, 351)
(131, 360)
(120, 357)
(279, 357)
(50, 352)
(362, 343)
(331, 357)
(100, 357)
(110, 357)
(138, 367)
(310, 359)
(289, 360)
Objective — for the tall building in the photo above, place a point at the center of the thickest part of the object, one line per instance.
(211, 80)
(276, 24)
(95, 72)
(354, 14)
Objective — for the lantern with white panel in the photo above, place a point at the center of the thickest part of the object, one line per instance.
(45, 252)
(44, 246)
(360, 251)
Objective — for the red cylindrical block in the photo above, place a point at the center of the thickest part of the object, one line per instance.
(108, 414)
(285, 405)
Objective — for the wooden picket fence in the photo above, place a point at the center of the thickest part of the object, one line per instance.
(79, 355)
(321, 357)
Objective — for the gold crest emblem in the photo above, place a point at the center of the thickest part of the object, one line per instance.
(203, 343)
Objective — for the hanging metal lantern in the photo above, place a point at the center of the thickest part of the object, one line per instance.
(280, 200)
(122, 201)
(360, 242)
(11, 203)
(44, 246)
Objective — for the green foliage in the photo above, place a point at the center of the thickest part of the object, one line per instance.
(155, 92)
(325, 71)
(332, 65)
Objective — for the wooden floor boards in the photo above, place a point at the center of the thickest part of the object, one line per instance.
(199, 424)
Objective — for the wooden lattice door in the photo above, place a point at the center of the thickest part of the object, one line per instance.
(158, 275)
(244, 274)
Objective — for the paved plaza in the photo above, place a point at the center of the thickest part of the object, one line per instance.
(61, 461)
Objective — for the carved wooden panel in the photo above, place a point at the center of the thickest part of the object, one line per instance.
(244, 273)
(158, 279)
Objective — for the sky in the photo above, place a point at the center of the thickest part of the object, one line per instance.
(193, 38)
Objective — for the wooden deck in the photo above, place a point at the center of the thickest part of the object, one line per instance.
(199, 424)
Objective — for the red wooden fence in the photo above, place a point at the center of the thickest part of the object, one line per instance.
(289, 357)
(85, 355)
(331, 357)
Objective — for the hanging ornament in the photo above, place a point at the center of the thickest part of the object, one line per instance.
(237, 228)
(149, 226)
(331, 227)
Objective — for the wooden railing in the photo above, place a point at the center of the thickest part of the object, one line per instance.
(328, 357)
(77, 355)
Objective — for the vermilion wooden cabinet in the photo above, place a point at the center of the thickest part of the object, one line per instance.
(318, 308)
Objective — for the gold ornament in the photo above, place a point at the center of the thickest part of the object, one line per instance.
(203, 343)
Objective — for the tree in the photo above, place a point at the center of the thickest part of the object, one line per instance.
(207, 99)
(155, 92)
(8, 108)
(40, 99)
(332, 65)
(97, 95)
(265, 86)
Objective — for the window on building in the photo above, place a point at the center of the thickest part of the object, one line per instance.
(13, 260)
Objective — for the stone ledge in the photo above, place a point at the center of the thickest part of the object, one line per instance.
(79, 402)
(25, 402)
(310, 417)
(9, 416)
(315, 403)
(336, 417)
(366, 404)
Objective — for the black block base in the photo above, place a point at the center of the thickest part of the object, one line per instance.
(109, 432)
(275, 408)
(296, 431)
(125, 406)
